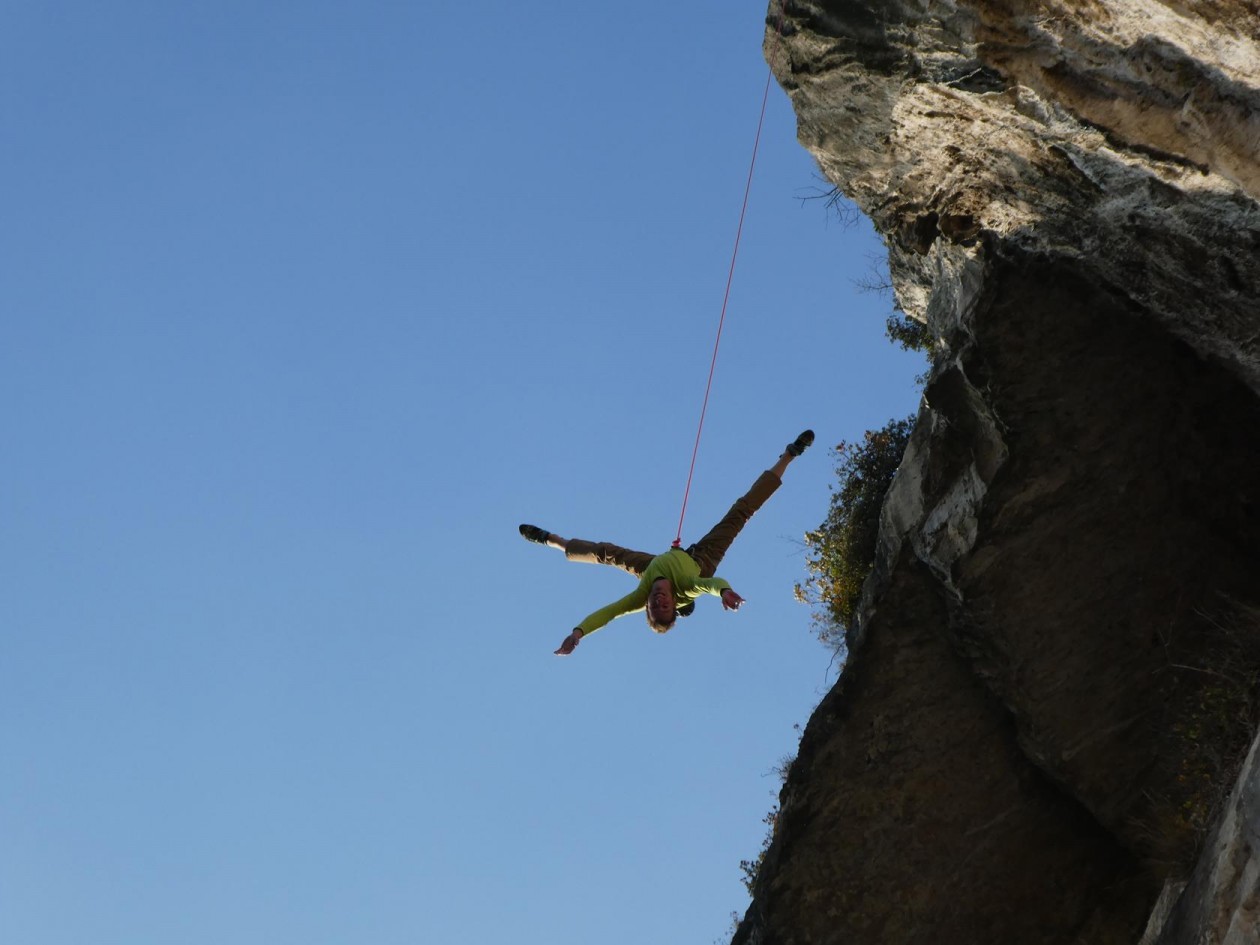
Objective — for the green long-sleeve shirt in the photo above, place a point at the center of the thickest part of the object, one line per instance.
(683, 574)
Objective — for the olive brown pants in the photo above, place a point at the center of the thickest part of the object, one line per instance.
(707, 552)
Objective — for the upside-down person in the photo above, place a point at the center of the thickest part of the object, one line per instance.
(670, 583)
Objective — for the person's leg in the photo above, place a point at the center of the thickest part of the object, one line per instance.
(590, 552)
(602, 552)
(710, 549)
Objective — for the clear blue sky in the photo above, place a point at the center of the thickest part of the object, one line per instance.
(303, 308)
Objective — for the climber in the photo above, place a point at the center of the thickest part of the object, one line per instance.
(670, 583)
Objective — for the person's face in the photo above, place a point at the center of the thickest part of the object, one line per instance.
(661, 601)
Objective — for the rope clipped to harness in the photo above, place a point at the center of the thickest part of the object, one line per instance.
(730, 276)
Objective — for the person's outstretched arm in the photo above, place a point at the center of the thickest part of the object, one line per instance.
(721, 588)
(634, 601)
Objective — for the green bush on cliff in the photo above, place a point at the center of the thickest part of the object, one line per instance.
(750, 868)
(908, 334)
(841, 551)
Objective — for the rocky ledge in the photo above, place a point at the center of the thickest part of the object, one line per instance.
(1051, 688)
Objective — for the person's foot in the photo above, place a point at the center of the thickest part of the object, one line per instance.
(534, 533)
(799, 445)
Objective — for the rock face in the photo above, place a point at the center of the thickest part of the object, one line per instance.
(1052, 683)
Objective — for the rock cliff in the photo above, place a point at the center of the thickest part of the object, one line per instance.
(1052, 684)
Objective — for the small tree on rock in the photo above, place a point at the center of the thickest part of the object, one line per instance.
(841, 551)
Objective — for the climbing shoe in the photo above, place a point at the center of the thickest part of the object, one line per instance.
(797, 446)
(534, 533)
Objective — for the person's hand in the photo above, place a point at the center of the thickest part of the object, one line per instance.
(570, 642)
(731, 600)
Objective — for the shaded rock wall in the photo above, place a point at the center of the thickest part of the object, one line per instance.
(1052, 681)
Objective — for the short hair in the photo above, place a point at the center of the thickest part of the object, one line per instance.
(661, 626)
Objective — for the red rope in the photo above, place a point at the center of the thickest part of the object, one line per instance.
(725, 298)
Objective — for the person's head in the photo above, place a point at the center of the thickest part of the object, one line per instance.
(661, 611)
